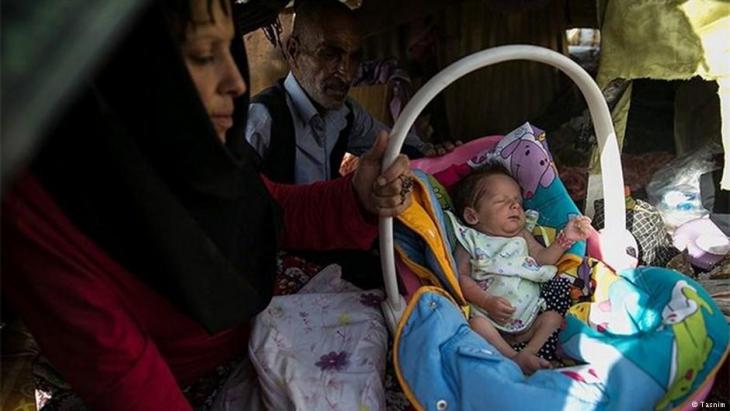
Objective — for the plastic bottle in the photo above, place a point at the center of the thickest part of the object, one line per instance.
(531, 217)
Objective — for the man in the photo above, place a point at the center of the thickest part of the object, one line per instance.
(308, 115)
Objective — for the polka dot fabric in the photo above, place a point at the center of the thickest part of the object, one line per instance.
(556, 293)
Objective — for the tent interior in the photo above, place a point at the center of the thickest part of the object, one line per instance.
(660, 115)
(652, 114)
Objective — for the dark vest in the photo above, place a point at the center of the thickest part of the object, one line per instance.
(278, 163)
(362, 268)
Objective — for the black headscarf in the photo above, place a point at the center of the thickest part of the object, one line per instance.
(137, 165)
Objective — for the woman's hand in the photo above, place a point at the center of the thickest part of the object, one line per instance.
(386, 194)
(498, 308)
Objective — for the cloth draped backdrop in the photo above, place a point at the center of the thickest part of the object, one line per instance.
(497, 98)
(669, 40)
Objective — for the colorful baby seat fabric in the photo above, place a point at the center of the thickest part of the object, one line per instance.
(323, 348)
(647, 338)
(656, 321)
(503, 267)
(443, 364)
(652, 339)
(424, 240)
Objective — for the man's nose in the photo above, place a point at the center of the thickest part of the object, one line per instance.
(346, 67)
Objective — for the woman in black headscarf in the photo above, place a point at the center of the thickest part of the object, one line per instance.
(142, 239)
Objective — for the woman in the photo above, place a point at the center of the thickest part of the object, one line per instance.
(142, 239)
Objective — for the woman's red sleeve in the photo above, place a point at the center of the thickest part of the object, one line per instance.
(63, 288)
(323, 216)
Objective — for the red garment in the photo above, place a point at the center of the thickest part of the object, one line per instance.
(121, 345)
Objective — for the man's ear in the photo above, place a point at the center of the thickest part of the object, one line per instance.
(471, 216)
(292, 50)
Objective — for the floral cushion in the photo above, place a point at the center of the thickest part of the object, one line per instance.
(322, 348)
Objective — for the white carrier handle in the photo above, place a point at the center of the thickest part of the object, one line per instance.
(613, 236)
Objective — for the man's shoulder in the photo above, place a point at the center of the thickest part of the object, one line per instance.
(271, 95)
(258, 111)
(271, 102)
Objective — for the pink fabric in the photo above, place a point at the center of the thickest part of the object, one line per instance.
(459, 156)
(452, 175)
(593, 245)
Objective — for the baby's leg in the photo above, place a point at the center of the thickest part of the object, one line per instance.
(489, 332)
(544, 326)
(527, 362)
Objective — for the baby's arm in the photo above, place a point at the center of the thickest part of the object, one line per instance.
(463, 262)
(577, 229)
(498, 308)
(543, 255)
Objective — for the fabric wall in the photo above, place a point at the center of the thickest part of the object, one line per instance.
(496, 99)
(670, 40)
(492, 100)
(267, 62)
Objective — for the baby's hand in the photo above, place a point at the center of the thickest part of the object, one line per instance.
(578, 229)
(499, 309)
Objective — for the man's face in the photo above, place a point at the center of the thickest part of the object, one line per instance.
(325, 60)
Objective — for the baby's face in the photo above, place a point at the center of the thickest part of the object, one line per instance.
(499, 209)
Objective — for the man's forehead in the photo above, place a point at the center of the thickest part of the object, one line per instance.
(332, 27)
(343, 39)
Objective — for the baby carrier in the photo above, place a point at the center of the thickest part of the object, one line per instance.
(641, 338)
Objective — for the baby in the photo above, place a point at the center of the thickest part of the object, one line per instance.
(501, 265)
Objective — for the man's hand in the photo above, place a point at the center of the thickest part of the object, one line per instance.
(435, 150)
(498, 308)
(386, 194)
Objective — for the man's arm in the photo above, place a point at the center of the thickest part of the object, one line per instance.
(258, 128)
(365, 128)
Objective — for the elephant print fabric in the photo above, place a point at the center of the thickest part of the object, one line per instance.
(524, 152)
(529, 163)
